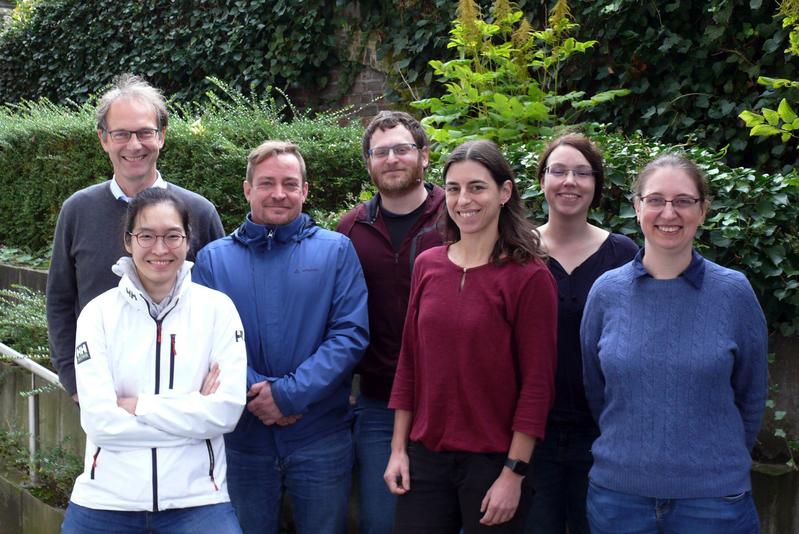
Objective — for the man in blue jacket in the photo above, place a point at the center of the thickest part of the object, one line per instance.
(301, 295)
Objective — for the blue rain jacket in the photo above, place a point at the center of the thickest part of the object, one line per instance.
(301, 295)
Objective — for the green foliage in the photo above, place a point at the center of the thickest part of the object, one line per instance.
(23, 258)
(504, 85)
(784, 121)
(750, 226)
(56, 468)
(692, 68)
(62, 49)
(23, 321)
(47, 152)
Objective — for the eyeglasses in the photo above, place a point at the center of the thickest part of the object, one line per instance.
(123, 136)
(657, 202)
(563, 172)
(402, 149)
(172, 240)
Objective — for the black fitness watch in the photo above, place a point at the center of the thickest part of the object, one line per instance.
(517, 466)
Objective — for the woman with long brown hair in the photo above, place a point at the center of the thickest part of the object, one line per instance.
(474, 382)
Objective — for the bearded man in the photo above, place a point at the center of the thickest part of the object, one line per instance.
(388, 232)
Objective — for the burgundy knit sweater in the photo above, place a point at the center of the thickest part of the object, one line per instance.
(478, 353)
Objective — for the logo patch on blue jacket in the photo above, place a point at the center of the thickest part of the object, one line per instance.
(82, 353)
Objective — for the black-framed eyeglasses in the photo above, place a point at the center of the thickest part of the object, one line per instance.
(563, 172)
(657, 202)
(172, 240)
(123, 136)
(401, 149)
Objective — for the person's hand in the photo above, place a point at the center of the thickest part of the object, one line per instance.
(502, 499)
(128, 404)
(262, 405)
(288, 420)
(211, 381)
(398, 475)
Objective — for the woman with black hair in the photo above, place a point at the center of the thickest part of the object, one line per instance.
(474, 382)
(160, 365)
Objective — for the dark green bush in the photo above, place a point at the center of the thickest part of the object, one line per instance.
(47, 152)
(62, 49)
(692, 68)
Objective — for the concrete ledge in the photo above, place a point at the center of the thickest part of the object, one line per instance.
(22, 513)
(32, 278)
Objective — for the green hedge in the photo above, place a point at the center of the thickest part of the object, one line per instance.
(47, 152)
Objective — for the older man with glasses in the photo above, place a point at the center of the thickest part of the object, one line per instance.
(131, 124)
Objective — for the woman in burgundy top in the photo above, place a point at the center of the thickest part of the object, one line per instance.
(571, 174)
(475, 376)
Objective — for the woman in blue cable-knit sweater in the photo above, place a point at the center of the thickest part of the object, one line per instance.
(674, 363)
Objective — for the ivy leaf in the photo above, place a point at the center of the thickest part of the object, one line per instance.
(772, 117)
(786, 112)
(764, 130)
(779, 415)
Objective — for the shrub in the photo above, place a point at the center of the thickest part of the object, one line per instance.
(49, 151)
(23, 322)
(505, 83)
(56, 468)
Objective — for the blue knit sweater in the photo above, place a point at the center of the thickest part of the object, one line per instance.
(675, 375)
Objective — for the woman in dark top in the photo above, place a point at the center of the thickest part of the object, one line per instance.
(571, 175)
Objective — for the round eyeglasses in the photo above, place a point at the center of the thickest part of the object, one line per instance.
(172, 240)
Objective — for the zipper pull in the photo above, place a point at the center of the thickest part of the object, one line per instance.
(269, 237)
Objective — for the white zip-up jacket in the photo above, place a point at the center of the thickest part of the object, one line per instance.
(171, 454)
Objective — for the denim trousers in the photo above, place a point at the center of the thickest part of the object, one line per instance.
(447, 489)
(374, 426)
(559, 478)
(316, 477)
(613, 512)
(209, 519)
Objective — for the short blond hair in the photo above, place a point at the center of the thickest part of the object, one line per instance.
(267, 149)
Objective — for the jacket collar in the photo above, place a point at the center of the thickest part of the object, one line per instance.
(133, 292)
(252, 234)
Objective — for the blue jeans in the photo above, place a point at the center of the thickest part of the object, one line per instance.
(560, 479)
(374, 426)
(316, 477)
(209, 519)
(619, 513)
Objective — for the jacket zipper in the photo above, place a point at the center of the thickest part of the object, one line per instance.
(155, 479)
(211, 462)
(94, 463)
(172, 354)
(154, 451)
(269, 238)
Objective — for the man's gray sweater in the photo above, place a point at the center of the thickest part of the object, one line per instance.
(88, 241)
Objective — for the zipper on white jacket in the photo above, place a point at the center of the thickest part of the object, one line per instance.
(172, 354)
(155, 479)
(94, 463)
(211, 462)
